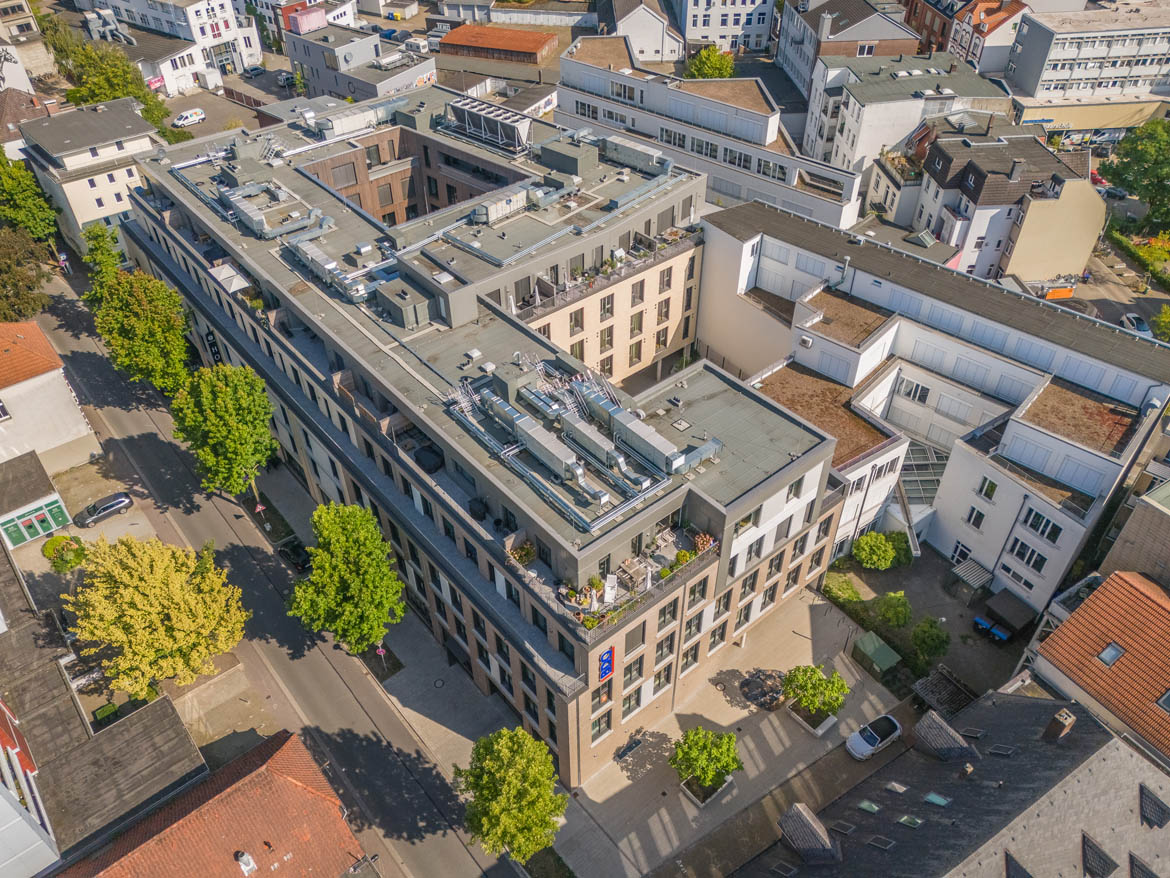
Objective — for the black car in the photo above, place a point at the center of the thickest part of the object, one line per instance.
(119, 504)
(296, 555)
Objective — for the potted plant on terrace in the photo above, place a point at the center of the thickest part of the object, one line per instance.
(814, 698)
(704, 761)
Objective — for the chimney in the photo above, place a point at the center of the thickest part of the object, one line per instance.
(1017, 170)
(247, 864)
(954, 66)
(1059, 726)
(824, 27)
(966, 771)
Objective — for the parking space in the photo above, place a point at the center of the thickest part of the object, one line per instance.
(264, 87)
(222, 114)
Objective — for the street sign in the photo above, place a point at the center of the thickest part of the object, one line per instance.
(260, 507)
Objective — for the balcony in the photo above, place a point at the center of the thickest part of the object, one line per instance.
(902, 168)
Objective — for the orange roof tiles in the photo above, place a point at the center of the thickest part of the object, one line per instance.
(25, 353)
(1133, 612)
(273, 803)
(987, 15)
(483, 37)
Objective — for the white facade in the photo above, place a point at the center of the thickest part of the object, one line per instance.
(745, 26)
(651, 36)
(979, 231)
(796, 48)
(43, 415)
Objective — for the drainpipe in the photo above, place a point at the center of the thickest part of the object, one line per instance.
(1003, 548)
(864, 497)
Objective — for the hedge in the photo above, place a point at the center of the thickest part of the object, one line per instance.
(1126, 246)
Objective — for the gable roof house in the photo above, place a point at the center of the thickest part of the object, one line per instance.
(648, 24)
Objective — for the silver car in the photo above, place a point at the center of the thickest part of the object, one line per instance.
(873, 737)
(115, 504)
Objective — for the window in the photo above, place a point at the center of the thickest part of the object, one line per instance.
(550, 702)
(697, 593)
(815, 561)
(527, 677)
(512, 592)
(800, 546)
(484, 658)
(1028, 555)
(635, 353)
(92, 183)
(722, 604)
(448, 530)
(633, 673)
(100, 203)
(743, 616)
(638, 292)
(602, 695)
(589, 111)
(665, 649)
(577, 349)
(1110, 654)
(605, 367)
(775, 563)
(748, 586)
(673, 138)
(635, 637)
(693, 627)
(795, 488)
(793, 579)
(913, 390)
(631, 702)
(577, 321)
(865, 50)
(690, 658)
(975, 518)
(606, 338)
(823, 529)
(718, 635)
(565, 646)
(769, 597)
(664, 279)
(987, 488)
(607, 307)
(668, 614)
(502, 649)
(477, 624)
(1042, 525)
(531, 709)
(662, 679)
(601, 725)
(1164, 701)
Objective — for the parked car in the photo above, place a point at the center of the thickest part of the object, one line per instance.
(1116, 192)
(1136, 323)
(189, 117)
(1079, 305)
(296, 555)
(873, 737)
(115, 504)
(285, 77)
(252, 72)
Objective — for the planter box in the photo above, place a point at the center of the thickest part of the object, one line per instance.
(699, 803)
(817, 731)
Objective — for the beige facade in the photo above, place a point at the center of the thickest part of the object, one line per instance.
(1054, 236)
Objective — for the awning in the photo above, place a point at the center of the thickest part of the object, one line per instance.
(1006, 607)
(973, 573)
(228, 277)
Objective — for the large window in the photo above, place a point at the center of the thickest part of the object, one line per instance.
(665, 649)
(668, 614)
(1042, 525)
(632, 673)
(602, 695)
(662, 678)
(601, 725)
(631, 702)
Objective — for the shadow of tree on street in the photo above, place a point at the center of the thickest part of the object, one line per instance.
(256, 573)
(174, 486)
(727, 683)
(72, 315)
(101, 385)
(655, 749)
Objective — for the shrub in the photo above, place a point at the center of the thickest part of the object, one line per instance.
(903, 557)
(524, 554)
(64, 552)
(873, 551)
(595, 583)
(706, 756)
(893, 609)
(813, 692)
(840, 589)
(681, 557)
(930, 639)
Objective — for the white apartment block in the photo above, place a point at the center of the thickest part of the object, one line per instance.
(1120, 50)
(728, 128)
(649, 27)
(1033, 414)
(662, 32)
(732, 26)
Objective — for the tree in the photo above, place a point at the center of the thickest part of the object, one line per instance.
(513, 803)
(1141, 164)
(813, 692)
(893, 609)
(900, 541)
(1160, 324)
(710, 63)
(101, 71)
(352, 590)
(873, 551)
(103, 258)
(299, 86)
(154, 612)
(22, 274)
(223, 413)
(143, 325)
(706, 756)
(930, 639)
(22, 203)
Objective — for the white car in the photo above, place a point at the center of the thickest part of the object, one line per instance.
(873, 737)
(1136, 323)
(189, 117)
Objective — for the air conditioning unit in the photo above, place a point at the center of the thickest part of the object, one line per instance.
(802, 6)
(806, 341)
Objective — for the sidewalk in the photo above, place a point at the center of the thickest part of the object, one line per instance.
(288, 495)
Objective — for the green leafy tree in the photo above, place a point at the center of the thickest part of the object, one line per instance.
(223, 413)
(1160, 324)
(873, 551)
(513, 804)
(143, 325)
(706, 756)
(930, 639)
(710, 63)
(893, 609)
(151, 612)
(101, 71)
(813, 692)
(1141, 164)
(299, 86)
(22, 274)
(352, 590)
(903, 556)
(22, 203)
(103, 258)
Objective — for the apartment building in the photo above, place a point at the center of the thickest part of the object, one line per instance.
(933, 21)
(845, 28)
(1025, 419)
(84, 161)
(1009, 204)
(277, 16)
(537, 512)
(983, 33)
(344, 62)
(649, 25)
(859, 107)
(729, 129)
(18, 27)
(732, 25)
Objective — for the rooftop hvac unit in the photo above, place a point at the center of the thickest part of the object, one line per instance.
(491, 123)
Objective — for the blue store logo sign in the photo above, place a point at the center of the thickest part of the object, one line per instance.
(605, 665)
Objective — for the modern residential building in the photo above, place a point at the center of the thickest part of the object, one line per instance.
(650, 27)
(1030, 416)
(729, 129)
(746, 27)
(840, 28)
(277, 16)
(1141, 544)
(18, 28)
(1102, 644)
(344, 62)
(860, 107)
(84, 161)
(499, 44)
(38, 410)
(983, 33)
(1066, 798)
(264, 811)
(533, 507)
(1009, 204)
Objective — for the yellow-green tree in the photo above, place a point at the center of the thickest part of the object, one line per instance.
(151, 612)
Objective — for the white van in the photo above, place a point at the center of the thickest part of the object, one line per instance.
(189, 117)
(418, 45)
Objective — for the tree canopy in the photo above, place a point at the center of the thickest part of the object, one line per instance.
(223, 412)
(930, 639)
(143, 325)
(1141, 164)
(893, 609)
(151, 612)
(812, 691)
(874, 551)
(706, 756)
(513, 804)
(22, 274)
(102, 257)
(1160, 324)
(22, 203)
(710, 63)
(352, 590)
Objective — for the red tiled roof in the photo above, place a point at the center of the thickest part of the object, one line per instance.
(272, 803)
(1133, 612)
(994, 13)
(483, 37)
(25, 353)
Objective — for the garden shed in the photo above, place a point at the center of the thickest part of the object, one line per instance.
(875, 655)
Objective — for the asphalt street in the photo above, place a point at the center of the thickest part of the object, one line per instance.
(400, 805)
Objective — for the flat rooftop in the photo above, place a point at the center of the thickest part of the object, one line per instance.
(335, 35)
(609, 53)
(747, 94)
(1059, 493)
(1121, 17)
(847, 319)
(895, 78)
(826, 404)
(1090, 419)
